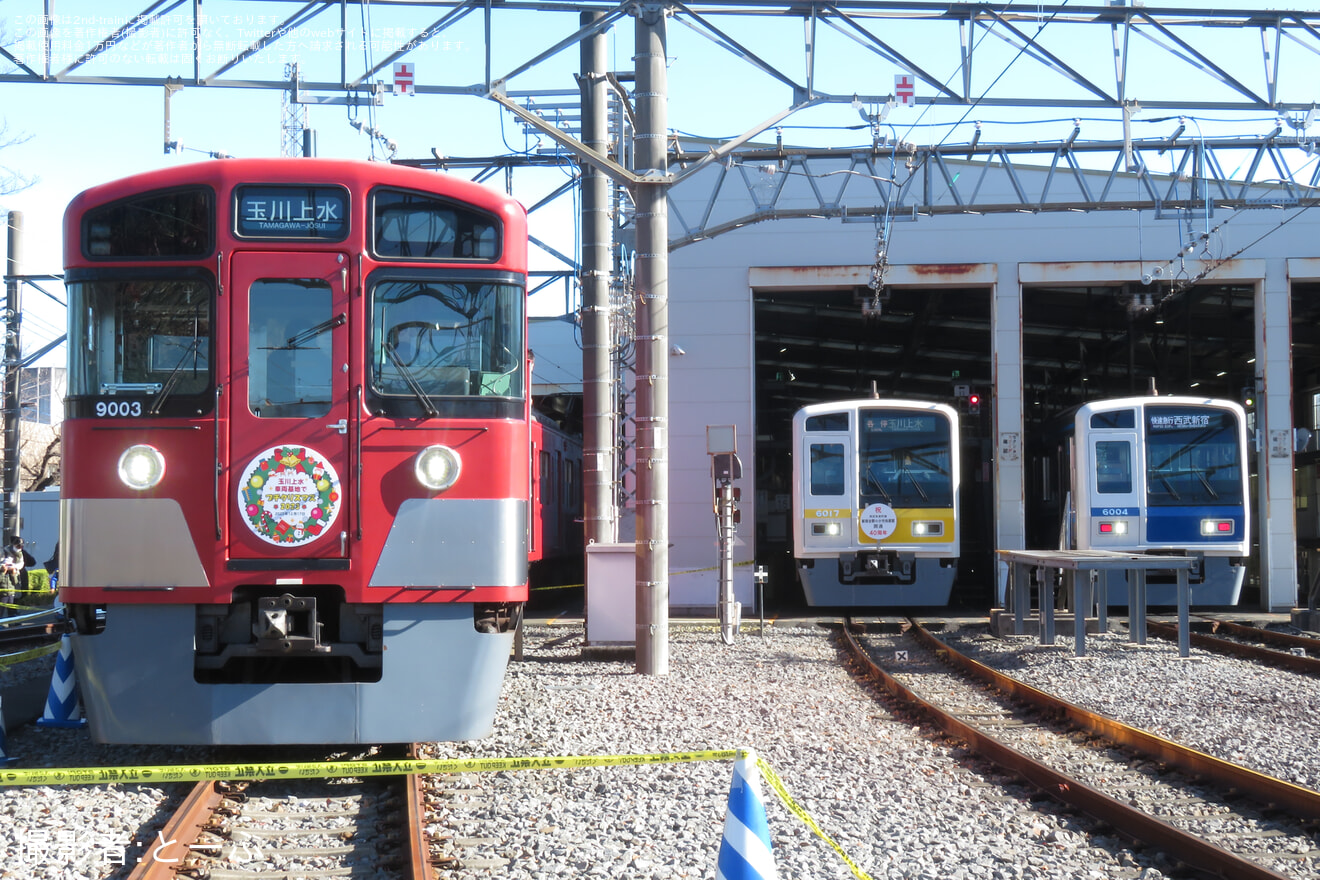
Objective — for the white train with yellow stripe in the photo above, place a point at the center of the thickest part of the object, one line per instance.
(875, 502)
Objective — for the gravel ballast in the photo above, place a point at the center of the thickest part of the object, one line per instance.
(900, 801)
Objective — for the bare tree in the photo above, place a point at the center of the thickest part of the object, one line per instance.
(39, 461)
(11, 180)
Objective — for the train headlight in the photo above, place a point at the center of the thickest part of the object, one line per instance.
(141, 467)
(829, 529)
(1113, 528)
(437, 467)
(1219, 528)
(927, 529)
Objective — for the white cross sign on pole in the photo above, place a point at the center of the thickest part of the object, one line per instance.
(403, 79)
(905, 89)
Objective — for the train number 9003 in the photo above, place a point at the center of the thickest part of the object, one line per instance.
(118, 408)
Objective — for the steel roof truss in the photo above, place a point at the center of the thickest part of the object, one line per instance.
(143, 19)
(298, 19)
(950, 180)
(873, 43)
(728, 43)
(1198, 60)
(600, 25)
(1029, 46)
(439, 26)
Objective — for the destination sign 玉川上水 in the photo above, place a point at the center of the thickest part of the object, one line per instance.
(902, 424)
(294, 212)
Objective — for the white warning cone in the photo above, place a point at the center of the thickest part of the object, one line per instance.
(745, 849)
(63, 708)
(5, 760)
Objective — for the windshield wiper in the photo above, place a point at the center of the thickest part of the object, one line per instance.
(874, 483)
(173, 378)
(413, 384)
(907, 472)
(311, 333)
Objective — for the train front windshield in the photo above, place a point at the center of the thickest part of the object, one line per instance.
(433, 338)
(905, 459)
(141, 337)
(1193, 457)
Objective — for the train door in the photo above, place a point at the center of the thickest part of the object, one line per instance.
(290, 419)
(1113, 468)
(828, 518)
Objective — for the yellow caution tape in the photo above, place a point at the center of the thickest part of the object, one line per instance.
(22, 607)
(672, 573)
(713, 568)
(777, 784)
(327, 769)
(8, 660)
(557, 587)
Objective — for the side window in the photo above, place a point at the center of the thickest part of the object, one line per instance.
(827, 469)
(1113, 467)
(547, 475)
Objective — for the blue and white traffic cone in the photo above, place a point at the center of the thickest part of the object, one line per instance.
(745, 849)
(5, 760)
(63, 708)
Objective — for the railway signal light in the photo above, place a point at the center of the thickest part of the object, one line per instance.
(973, 404)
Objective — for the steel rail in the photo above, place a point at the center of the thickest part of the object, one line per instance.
(1135, 824)
(169, 857)
(1300, 801)
(1268, 656)
(419, 850)
(180, 833)
(1265, 636)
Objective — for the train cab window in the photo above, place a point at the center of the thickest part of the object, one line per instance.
(289, 348)
(904, 458)
(1113, 467)
(827, 469)
(1193, 456)
(433, 340)
(140, 346)
(414, 226)
(828, 422)
(1119, 418)
(170, 223)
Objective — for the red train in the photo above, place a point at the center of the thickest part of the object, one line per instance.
(556, 537)
(297, 501)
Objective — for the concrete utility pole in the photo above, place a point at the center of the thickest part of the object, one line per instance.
(652, 273)
(599, 524)
(13, 358)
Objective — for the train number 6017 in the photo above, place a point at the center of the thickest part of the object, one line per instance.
(113, 408)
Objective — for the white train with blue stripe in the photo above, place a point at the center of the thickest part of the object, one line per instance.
(1158, 475)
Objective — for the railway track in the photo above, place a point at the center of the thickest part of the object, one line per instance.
(1216, 818)
(292, 829)
(1281, 650)
(22, 633)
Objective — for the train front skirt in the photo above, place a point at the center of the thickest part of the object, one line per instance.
(440, 681)
(930, 584)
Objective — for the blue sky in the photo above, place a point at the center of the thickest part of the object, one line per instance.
(81, 135)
